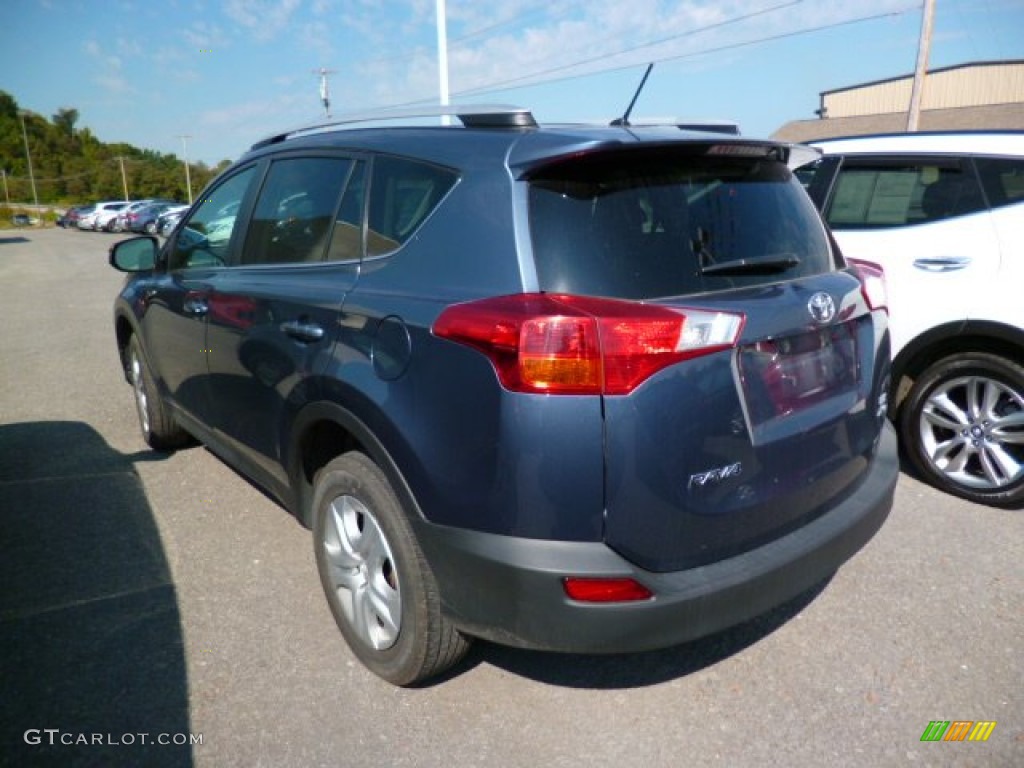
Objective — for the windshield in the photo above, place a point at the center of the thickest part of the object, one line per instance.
(641, 225)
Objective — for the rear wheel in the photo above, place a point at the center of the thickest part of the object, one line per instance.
(159, 429)
(963, 428)
(378, 584)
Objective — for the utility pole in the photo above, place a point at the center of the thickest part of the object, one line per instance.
(442, 56)
(124, 179)
(325, 94)
(7, 195)
(923, 47)
(28, 156)
(184, 151)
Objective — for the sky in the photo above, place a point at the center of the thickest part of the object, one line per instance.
(225, 73)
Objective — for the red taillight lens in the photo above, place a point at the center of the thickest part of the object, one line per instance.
(623, 590)
(561, 344)
(872, 283)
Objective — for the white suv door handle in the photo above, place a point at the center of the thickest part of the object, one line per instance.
(942, 263)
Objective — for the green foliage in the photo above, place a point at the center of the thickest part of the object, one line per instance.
(72, 166)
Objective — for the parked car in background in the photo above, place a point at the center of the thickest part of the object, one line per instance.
(21, 220)
(169, 219)
(127, 218)
(582, 388)
(87, 217)
(145, 219)
(943, 214)
(70, 217)
(103, 216)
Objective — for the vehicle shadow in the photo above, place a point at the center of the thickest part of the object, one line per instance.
(91, 650)
(17, 239)
(637, 670)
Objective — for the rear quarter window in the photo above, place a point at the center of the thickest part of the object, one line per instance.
(640, 225)
(403, 193)
(1003, 179)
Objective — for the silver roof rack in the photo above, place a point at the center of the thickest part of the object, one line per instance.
(470, 115)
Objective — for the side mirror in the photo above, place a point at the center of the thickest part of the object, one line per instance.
(135, 255)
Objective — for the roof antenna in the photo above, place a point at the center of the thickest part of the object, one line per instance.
(624, 120)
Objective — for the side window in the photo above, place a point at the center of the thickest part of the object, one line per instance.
(347, 238)
(1003, 179)
(887, 193)
(402, 194)
(205, 238)
(295, 209)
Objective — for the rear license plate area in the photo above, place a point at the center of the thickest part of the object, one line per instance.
(786, 375)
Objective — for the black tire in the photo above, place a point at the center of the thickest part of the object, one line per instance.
(158, 427)
(150, 227)
(961, 427)
(378, 584)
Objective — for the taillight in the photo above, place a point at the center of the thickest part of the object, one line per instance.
(614, 590)
(579, 345)
(872, 283)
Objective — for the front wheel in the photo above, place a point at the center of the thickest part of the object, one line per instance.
(377, 582)
(963, 428)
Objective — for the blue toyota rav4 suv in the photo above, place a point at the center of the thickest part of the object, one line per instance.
(588, 389)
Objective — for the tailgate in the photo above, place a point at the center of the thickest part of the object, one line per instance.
(717, 455)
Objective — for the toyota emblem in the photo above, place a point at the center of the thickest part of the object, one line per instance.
(822, 308)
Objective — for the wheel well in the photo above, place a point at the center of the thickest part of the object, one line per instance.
(320, 442)
(123, 332)
(921, 355)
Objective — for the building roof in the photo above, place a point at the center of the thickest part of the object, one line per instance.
(996, 117)
(987, 95)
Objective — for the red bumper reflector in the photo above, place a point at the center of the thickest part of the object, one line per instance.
(606, 590)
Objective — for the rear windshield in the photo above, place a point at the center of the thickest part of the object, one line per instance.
(641, 225)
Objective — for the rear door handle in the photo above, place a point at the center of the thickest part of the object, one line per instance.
(303, 331)
(942, 263)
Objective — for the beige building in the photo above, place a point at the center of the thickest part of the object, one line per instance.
(985, 95)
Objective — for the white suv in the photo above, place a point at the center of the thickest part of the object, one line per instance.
(943, 214)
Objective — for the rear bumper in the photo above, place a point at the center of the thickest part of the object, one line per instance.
(509, 590)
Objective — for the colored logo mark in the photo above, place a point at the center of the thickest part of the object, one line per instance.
(958, 730)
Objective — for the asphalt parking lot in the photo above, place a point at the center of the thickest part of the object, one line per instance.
(150, 598)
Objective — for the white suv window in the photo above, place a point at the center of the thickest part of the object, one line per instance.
(874, 193)
(1003, 179)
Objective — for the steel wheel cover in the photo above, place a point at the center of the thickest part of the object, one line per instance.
(139, 387)
(972, 430)
(362, 573)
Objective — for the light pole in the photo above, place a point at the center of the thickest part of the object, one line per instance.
(28, 156)
(188, 178)
(442, 56)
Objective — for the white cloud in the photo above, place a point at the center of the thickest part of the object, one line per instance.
(113, 83)
(265, 19)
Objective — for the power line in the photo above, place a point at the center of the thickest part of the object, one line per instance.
(500, 85)
(688, 33)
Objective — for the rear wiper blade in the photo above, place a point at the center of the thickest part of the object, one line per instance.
(778, 262)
